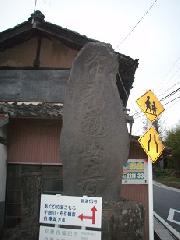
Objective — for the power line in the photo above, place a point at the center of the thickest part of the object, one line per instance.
(173, 101)
(175, 84)
(172, 79)
(174, 64)
(177, 98)
(132, 30)
(169, 95)
(140, 115)
(136, 113)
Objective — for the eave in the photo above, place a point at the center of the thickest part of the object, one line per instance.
(32, 110)
(34, 26)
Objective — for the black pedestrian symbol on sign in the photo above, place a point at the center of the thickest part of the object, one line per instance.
(154, 108)
(150, 106)
(150, 141)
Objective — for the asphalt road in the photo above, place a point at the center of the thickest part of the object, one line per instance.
(167, 205)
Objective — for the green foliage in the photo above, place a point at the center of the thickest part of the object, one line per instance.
(164, 172)
(173, 142)
(168, 177)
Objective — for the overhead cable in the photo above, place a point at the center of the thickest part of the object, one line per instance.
(172, 100)
(170, 94)
(132, 30)
(174, 64)
(175, 84)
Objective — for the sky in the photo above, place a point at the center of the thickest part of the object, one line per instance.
(155, 41)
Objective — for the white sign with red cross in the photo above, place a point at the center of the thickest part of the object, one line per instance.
(75, 211)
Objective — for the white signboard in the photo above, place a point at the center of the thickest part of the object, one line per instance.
(135, 172)
(52, 233)
(75, 211)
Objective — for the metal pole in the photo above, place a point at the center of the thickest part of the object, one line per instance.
(150, 197)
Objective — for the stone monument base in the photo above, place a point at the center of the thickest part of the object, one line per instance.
(123, 220)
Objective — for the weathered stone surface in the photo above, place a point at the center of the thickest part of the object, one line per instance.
(29, 181)
(28, 228)
(122, 220)
(94, 139)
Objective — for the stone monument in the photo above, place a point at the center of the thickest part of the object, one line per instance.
(95, 140)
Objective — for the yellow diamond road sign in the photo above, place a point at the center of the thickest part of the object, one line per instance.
(151, 144)
(150, 105)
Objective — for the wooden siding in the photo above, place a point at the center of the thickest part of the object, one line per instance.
(20, 55)
(136, 151)
(53, 54)
(34, 141)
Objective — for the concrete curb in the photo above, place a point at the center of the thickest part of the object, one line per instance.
(164, 230)
(166, 187)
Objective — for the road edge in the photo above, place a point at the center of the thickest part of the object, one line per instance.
(158, 184)
(167, 227)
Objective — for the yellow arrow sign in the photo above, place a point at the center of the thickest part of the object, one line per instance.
(151, 144)
(150, 105)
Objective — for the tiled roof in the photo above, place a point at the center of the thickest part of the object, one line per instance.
(36, 23)
(32, 110)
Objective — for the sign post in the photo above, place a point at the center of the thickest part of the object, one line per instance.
(151, 144)
(150, 202)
